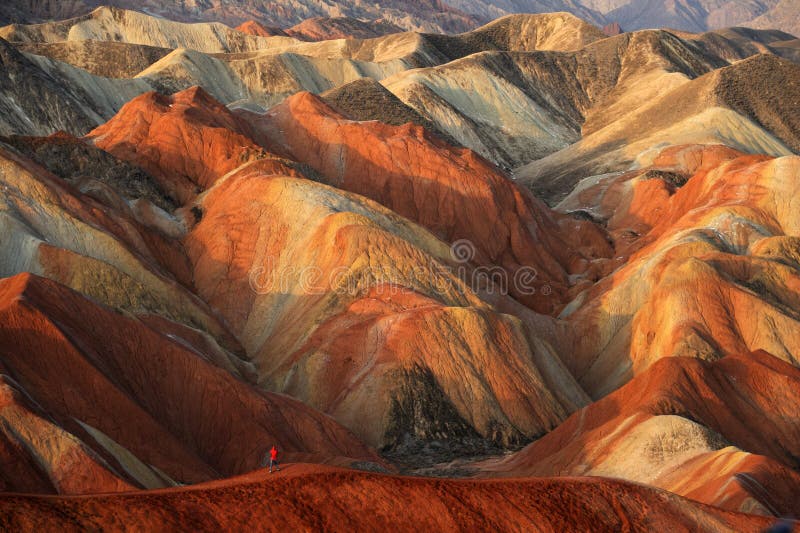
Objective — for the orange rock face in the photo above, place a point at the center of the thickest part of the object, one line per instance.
(453, 192)
(710, 271)
(670, 426)
(187, 141)
(304, 497)
(146, 402)
(344, 304)
(251, 27)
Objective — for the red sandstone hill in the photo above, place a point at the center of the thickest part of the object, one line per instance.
(194, 281)
(251, 27)
(672, 427)
(187, 140)
(451, 191)
(194, 140)
(712, 235)
(97, 401)
(305, 497)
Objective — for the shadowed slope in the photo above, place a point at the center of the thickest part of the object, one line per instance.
(322, 29)
(366, 99)
(101, 58)
(53, 107)
(750, 106)
(451, 191)
(140, 397)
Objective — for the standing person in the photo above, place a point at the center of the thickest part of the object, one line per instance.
(273, 459)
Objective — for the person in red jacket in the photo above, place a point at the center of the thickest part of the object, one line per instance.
(273, 459)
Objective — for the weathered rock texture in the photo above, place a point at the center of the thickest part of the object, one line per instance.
(370, 501)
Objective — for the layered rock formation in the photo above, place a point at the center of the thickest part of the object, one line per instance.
(232, 262)
(422, 178)
(343, 273)
(679, 426)
(748, 106)
(712, 252)
(100, 402)
(192, 137)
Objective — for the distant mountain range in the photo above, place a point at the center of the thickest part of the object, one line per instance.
(438, 15)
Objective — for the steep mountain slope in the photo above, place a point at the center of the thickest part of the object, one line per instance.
(92, 170)
(109, 59)
(669, 426)
(513, 229)
(306, 497)
(53, 108)
(140, 397)
(517, 107)
(297, 333)
(750, 105)
(715, 253)
(156, 132)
